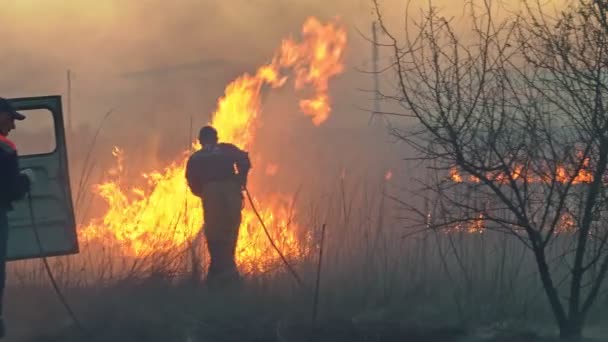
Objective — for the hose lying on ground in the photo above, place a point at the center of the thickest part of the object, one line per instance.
(64, 301)
(276, 248)
(47, 267)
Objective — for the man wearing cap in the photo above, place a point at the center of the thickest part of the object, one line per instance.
(14, 184)
(217, 174)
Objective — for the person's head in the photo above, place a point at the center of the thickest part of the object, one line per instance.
(207, 136)
(8, 115)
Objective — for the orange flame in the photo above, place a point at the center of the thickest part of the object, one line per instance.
(388, 176)
(477, 226)
(165, 216)
(314, 62)
(272, 169)
(473, 226)
(455, 175)
(563, 174)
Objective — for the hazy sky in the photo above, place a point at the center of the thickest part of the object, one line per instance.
(159, 63)
(136, 52)
(173, 53)
(164, 54)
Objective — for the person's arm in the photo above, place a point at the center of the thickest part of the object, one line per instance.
(242, 162)
(192, 176)
(12, 181)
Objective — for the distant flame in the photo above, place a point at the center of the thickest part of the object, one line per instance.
(164, 215)
(472, 226)
(455, 175)
(562, 174)
(567, 223)
(272, 169)
(388, 176)
(477, 226)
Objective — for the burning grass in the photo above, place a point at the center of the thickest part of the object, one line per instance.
(375, 284)
(163, 216)
(131, 282)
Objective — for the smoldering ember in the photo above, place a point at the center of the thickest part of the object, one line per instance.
(272, 170)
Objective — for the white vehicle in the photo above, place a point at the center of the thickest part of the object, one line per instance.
(50, 193)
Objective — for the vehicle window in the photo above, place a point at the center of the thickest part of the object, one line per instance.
(35, 134)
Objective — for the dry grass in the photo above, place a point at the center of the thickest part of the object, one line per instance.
(378, 284)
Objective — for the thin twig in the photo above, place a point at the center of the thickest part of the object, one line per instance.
(318, 280)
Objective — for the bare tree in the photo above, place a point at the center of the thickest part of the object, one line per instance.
(512, 112)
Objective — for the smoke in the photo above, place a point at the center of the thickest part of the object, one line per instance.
(162, 65)
(152, 55)
(165, 56)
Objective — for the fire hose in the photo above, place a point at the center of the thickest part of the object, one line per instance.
(64, 301)
(48, 270)
(274, 245)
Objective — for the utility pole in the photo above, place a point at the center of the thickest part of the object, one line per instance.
(69, 104)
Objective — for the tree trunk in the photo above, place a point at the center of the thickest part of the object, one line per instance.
(563, 321)
(572, 329)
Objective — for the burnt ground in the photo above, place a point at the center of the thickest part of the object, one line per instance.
(158, 311)
(333, 330)
(155, 313)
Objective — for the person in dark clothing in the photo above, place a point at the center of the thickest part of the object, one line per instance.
(14, 184)
(218, 174)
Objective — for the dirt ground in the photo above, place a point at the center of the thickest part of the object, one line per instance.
(156, 312)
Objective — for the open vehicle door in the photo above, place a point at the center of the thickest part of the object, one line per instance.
(41, 144)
